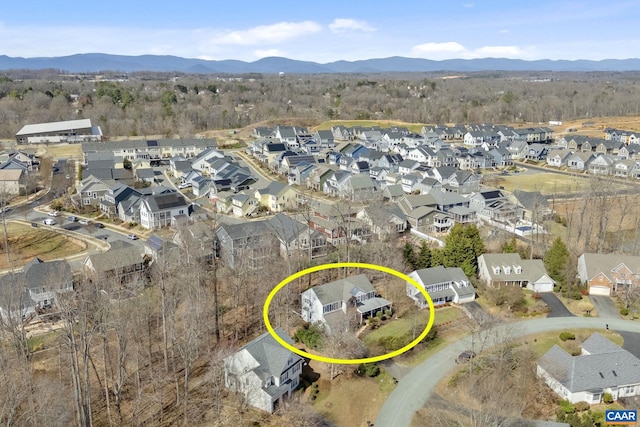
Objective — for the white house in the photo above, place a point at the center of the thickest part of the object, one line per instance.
(159, 210)
(508, 269)
(264, 371)
(602, 367)
(334, 304)
(444, 285)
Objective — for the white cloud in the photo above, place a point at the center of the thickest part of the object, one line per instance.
(451, 50)
(468, 5)
(264, 53)
(495, 51)
(341, 25)
(438, 48)
(275, 33)
(504, 31)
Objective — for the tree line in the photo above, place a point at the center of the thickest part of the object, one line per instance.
(142, 104)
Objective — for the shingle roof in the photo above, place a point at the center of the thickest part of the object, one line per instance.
(54, 126)
(121, 254)
(342, 290)
(609, 366)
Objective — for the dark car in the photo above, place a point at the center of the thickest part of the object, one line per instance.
(465, 356)
(99, 225)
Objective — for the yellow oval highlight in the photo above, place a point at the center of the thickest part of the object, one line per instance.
(265, 313)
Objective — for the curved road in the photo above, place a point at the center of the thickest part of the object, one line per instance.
(413, 390)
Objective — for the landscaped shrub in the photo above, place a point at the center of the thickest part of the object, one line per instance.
(374, 322)
(379, 314)
(624, 311)
(567, 336)
(567, 407)
(388, 313)
(368, 370)
(314, 391)
(311, 336)
(607, 398)
(582, 406)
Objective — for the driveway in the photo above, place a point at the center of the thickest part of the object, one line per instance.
(631, 342)
(413, 391)
(557, 307)
(605, 307)
(477, 313)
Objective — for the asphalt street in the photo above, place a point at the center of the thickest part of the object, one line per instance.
(413, 391)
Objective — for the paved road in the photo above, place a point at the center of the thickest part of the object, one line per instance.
(631, 342)
(413, 391)
(605, 307)
(557, 307)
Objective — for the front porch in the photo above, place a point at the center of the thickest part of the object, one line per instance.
(369, 308)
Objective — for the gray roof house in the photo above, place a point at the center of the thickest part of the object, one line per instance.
(122, 263)
(334, 305)
(601, 367)
(444, 285)
(264, 371)
(33, 288)
(161, 210)
(509, 269)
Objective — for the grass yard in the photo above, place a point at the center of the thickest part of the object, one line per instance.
(544, 182)
(541, 343)
(60, 151)
(26, 242)
(352, 401)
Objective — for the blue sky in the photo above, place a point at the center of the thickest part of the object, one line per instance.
(324, 31)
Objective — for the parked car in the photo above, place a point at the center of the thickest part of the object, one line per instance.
(48, 221)
(85, 222)
(465, 356)
(73, 218)
(53, 213)
(99, 225)
(132, 237)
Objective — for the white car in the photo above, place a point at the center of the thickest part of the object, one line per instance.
(48, 221)
(132, 237)
(53, 213)
(84, 221)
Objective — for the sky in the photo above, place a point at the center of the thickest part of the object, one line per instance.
(324, 31)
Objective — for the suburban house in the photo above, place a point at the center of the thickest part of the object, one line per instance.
(601, 367)
(56, 132)
(196, 241)
(297, 239)
(277, 197)
(534, 205)
(161, 210)
(12, 181)
(152, 150)
(498, 270)
(605, 274)
(336, 304)
(91, 190)
(444, 285)
(494, 205)
(251, 245)
(34, 288)
(122, 263)
(264, 371)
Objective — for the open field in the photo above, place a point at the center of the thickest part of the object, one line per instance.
(547, 183)
(413, 127)
(27, 242)
(57, 151)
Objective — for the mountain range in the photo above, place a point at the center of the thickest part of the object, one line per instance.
(100, 62)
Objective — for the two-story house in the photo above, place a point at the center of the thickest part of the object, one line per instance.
(336, 304)
(264, 372)
(444, 285)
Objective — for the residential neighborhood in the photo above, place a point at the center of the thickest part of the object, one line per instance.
(294, 198)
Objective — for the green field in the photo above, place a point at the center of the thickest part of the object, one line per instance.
(26, 242)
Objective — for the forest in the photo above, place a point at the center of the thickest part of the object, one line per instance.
(138, 104)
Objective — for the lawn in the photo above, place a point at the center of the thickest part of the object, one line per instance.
(57, 151)
(541, 343)
(26, 242)
(545, 182)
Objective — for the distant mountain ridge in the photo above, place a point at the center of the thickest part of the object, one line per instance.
(100, 62)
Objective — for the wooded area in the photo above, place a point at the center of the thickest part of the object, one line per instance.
(141, 104)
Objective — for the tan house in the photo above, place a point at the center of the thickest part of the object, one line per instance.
(605, 274)
(11, 181)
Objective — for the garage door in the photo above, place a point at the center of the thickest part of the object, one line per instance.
(599, 290)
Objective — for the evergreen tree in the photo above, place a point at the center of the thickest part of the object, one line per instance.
(437, 257)
(409, 256)
(556, 260)
(462, 248)
(510, 246)
(424, 256)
